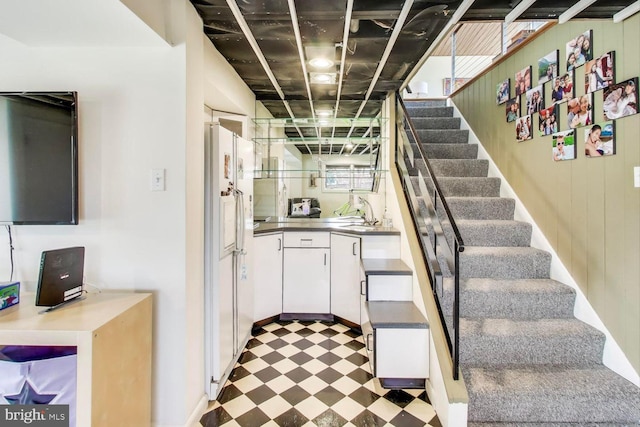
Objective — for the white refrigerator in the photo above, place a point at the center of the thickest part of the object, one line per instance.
(228, 252)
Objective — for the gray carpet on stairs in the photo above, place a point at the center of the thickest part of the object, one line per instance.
(526, 360)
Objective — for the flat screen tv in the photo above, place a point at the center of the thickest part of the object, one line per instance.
(61, 276)
(38, 158)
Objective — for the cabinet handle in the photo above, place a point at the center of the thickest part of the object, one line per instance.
(367, 343)
(362, 282)
(325, 258)
(354, 248)
(279, 244)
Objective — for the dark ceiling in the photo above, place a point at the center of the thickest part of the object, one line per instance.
(322, 22)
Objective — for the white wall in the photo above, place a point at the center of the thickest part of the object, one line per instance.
(139, 108)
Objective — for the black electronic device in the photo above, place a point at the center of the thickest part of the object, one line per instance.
(60, 278)
(38, 158)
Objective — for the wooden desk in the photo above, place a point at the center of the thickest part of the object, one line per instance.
(112, 333)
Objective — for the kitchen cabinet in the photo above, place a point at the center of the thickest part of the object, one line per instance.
(268, 249)
(307, 273)
(345, 277)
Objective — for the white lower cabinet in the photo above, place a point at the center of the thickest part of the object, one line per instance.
(268, 249)
(345, 277)
(306, 285)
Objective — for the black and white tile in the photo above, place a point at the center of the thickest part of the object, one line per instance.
(312, 374)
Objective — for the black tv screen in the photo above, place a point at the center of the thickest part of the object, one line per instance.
(38, 158)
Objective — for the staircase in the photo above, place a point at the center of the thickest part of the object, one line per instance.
(525, 359)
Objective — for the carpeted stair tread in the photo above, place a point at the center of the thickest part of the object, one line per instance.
(449, 151)
(455, 167)
(464, 186)
(481, 208)
(443, 136)
(505, 262)
(550, 393)
(472, 208)
(420, 103)
(422, 111)
(502, 341)
(436, 123)
(490, 232)
(510, 298)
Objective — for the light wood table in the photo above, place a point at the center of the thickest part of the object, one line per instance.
(113, 336)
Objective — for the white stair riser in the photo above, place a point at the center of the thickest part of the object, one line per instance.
(389, 288)
(402, 353)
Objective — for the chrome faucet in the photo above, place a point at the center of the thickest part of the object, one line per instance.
(371, 220)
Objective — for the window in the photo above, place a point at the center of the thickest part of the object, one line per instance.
(348, 177)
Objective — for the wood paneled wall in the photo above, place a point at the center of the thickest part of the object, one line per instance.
(587, 208)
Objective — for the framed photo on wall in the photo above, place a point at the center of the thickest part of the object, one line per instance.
(599, 73)
(563, 88)
(522, 81)
(548, 120)
(621, 99)
(503, 91)
(535, 99)
(548, 67)
(580, 111)
(563, 146)
(599, 140)
(512, 109)
(579, 50)
(523, 128)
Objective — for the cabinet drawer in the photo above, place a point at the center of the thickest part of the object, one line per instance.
(307, 240)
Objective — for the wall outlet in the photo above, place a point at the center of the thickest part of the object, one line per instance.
(157, 179)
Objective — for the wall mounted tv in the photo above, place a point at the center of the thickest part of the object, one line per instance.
(38, 158)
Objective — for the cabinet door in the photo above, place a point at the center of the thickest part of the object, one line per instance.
(306, 280)
(268, 275)
(345, 277)
(364, 315)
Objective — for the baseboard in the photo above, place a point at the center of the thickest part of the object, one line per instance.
(198, 411)
(194, 418)
(613, 356)
(325, 317)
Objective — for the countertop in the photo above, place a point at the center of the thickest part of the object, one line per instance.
(329, 224)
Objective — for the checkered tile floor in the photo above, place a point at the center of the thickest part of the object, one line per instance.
(312, 374)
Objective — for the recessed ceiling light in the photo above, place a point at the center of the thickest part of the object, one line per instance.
(323, 78)
(324, 113)
(321, 63)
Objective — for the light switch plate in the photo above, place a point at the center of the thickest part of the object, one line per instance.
(636, 176)
(157, 179)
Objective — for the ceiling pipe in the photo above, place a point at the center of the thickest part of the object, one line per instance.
(343, 55)
(455, 18)
(574, 10)
(406, 8)
(627, 12)
(518, 10)
(296, 30)
(258, 52)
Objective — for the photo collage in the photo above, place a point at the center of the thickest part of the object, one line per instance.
(581, 123)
